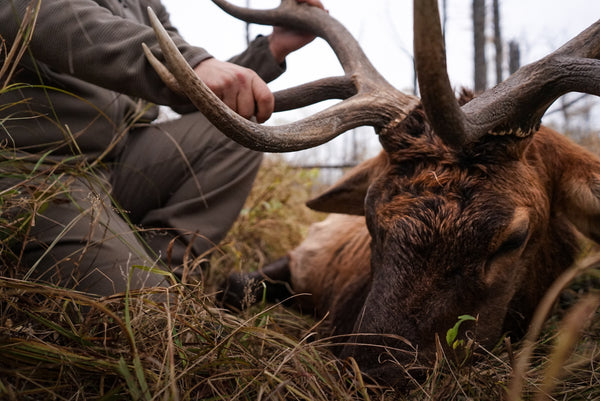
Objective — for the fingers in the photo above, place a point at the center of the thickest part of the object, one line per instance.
(244, 99)
(265, 102)
(227, 93)
(239, 88)
(254, 98)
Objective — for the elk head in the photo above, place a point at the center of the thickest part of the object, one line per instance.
(470, 207)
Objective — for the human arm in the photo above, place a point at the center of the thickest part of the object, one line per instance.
(94, 42)
(97, 44)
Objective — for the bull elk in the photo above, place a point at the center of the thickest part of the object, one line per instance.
(472, 207)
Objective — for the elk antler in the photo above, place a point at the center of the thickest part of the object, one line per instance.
(437, 96)
(368, 98)
(514, 106)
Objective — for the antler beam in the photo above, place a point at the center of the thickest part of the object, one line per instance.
(513, 107)
(516, 105)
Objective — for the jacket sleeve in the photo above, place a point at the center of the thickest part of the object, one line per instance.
(102, 47)
(258, 57)
(97, 45)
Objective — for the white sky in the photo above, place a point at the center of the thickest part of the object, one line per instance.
(384, 30)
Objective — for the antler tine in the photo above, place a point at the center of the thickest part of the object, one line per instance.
(162, 71)
(440, 104)
(368, 98)
(368, 108)
(517, 105)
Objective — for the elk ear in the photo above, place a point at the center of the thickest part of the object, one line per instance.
(581, 196)
(347, 196)
(578, 186)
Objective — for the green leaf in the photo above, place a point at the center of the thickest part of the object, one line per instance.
(452, 333)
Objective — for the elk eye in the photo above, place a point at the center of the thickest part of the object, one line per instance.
(514, 241)
(515, 234)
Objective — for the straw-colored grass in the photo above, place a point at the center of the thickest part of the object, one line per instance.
(163, 343)
(273, 221)
(65, 345)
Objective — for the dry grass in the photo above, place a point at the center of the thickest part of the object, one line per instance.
(57, 344)
(164, 343)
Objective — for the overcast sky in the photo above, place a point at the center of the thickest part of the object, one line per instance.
(384, 30)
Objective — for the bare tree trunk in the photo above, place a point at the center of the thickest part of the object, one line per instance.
(444, 16)
(247, 26)
(498, 42)
(514, 57)
(479, 45)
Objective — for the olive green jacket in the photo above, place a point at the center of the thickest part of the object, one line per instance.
(85, 77)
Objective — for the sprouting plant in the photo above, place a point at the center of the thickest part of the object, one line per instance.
(452, 333)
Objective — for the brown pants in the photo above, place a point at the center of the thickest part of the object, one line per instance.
(174, 191)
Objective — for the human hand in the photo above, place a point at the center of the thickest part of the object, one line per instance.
(283, 41)
(239, 88)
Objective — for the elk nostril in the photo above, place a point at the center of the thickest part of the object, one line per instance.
(238, 291)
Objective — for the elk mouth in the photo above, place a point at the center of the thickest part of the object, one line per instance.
(389, 360)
